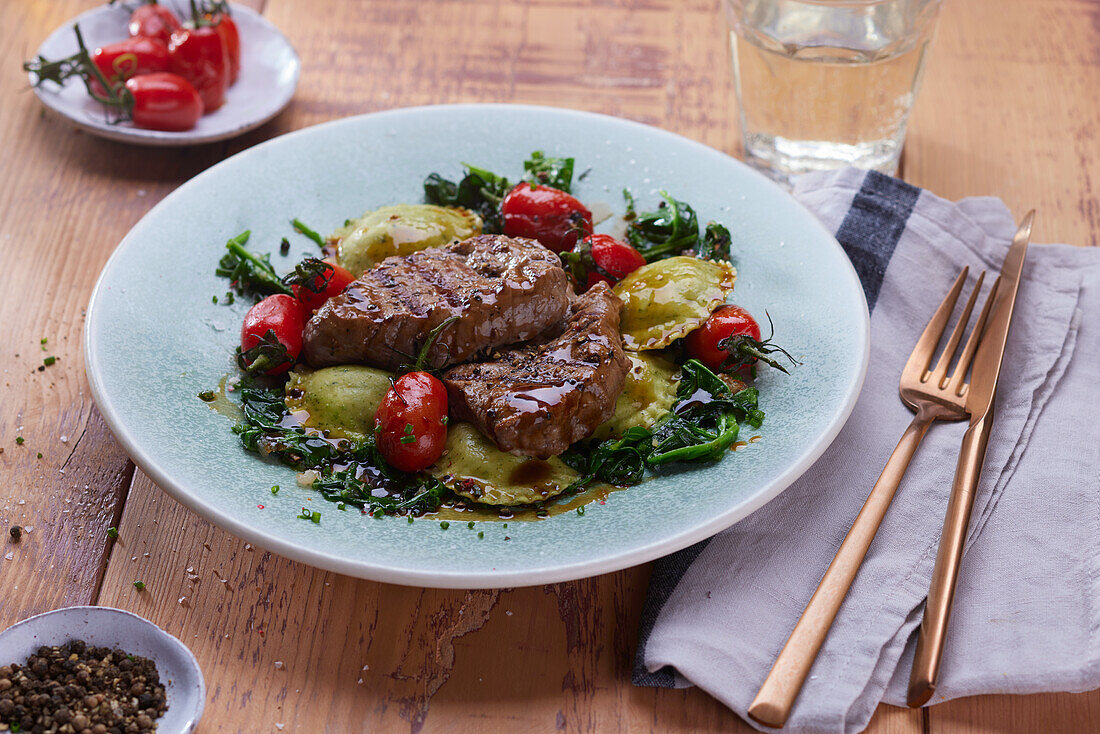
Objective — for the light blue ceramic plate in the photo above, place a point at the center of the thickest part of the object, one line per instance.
(154, 340)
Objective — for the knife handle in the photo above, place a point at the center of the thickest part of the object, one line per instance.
(937, 611)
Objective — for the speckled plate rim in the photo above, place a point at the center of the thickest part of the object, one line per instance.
(238, 124)
(187, 699)
(665, 545)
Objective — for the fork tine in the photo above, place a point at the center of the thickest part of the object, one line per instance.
(922, 353)
(940, 373)
(956, 384)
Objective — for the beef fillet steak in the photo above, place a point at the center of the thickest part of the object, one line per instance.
(503, 289)
(536, 400)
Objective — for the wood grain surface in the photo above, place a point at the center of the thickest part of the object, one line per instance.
(1009, 108)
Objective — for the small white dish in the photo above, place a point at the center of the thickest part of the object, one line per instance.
(107, 627)
(269, 75)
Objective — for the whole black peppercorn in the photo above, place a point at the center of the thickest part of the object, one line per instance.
(16, 533)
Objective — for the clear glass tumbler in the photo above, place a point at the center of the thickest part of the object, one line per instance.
(827, 83)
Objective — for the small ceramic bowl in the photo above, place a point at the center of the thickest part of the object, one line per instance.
(106, 627)
(269, 75)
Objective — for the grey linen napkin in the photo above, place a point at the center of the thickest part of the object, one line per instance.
(1027, 612)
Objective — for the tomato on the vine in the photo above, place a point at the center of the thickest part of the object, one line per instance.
(125, 59)
(164, 101)
(602, 257)
(271, 335)
(554, 218)
(729, 340)
(330, 282)
(227, 27)
(154, 21)
(411, 422)
(200, 56)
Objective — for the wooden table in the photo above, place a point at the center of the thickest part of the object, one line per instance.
(1009, 108)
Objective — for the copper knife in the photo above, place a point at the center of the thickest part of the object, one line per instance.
(979, 404)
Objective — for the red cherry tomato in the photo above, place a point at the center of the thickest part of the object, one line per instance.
(332, 283)
(227, 27)
(201, 57)
(129, 58)
(411, 422)
(614, 257)
(154, 21)
(282, 315)
(164, 101)
(554, 218)
(726, 321)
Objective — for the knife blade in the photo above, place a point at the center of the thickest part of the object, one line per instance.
(979, 403)
(987, 361)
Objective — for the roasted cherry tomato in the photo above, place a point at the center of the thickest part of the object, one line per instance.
(201, 57)
(271, 335)
(726, 321)
(412, 422)
(553, 217)
(154, 21)
(164, 101)
(227, 27)
(129, 58)
(602, 257)
(330, 283)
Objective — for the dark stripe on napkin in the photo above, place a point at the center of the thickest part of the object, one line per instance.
(874, 224)
(869, 233)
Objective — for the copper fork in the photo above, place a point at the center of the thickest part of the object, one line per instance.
(933, 395)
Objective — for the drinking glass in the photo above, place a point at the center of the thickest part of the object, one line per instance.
(824, 84)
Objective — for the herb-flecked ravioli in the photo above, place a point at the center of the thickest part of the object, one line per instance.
(665, 300)
(400, 230)
(473, 467)
(648, 393)
(339, 400)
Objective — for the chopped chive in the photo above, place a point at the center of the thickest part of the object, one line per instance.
(49, 360)
(470, 525)
(480, 534)
(408, 439)
(207, 396)
(43, 341)
(444, 525)
(580, 510)
(39, 454)
(303, 229)
(139, 585)
(112, 532)
(19, 440)
(410, 520)
(214, 299)
(275, 489)
(408, 428)
(341, 506)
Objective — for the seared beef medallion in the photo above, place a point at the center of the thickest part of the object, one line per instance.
(503, 289)
(537, 400)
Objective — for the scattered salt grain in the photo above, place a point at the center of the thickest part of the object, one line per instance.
(508, 613)
(279, 665)
(9, 556)
(182, 601)
(64, 439)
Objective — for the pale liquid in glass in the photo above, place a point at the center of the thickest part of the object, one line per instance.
(813, 107)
